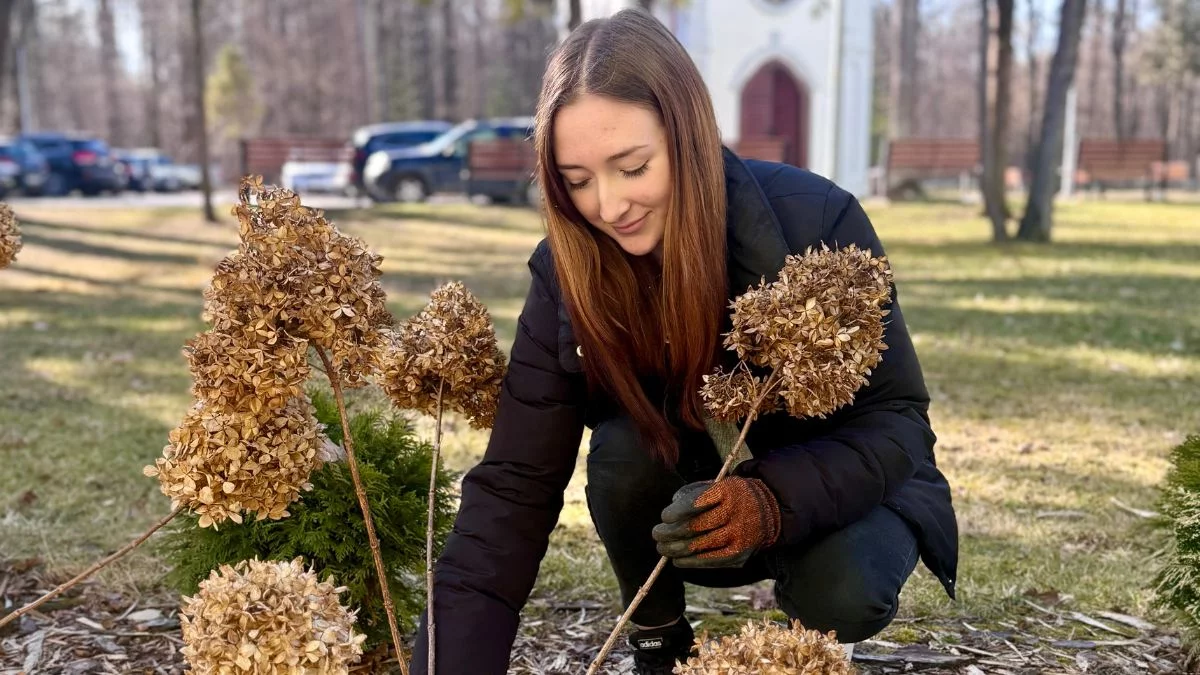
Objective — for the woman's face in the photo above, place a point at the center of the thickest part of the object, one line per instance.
(613, 160)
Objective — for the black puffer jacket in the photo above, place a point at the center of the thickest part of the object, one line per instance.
(826, 473)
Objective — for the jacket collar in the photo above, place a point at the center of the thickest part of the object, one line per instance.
(756, 247)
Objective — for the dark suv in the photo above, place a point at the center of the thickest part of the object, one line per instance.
(412, 174)
(28, 168)
(79, 163)
(389, 136)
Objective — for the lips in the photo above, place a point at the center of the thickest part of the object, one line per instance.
(631, 227)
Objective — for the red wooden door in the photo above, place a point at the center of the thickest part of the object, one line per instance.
(775, 106)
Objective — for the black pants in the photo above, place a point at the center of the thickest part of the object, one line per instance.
(848, 581)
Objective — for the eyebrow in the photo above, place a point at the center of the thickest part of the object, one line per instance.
(620, 155)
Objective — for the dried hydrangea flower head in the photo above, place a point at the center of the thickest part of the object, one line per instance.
(295, 274)
(220, 463)
(238, 371)
(768, 648)
(268, 617)
(450, 346)
(10, 236)
(818, 328)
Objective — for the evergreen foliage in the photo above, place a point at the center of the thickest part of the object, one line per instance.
(326, 526)
(1177, 584)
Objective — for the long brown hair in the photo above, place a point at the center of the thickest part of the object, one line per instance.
(629, 324)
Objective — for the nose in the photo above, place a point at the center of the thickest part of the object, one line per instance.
(613, 204)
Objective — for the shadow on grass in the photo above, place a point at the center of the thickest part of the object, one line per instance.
(1066, 251)
(31, 236)
(514, 218)
(129, 233)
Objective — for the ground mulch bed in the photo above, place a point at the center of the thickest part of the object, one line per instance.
(97, 630)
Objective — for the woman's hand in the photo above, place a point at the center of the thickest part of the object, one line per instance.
(718, 524)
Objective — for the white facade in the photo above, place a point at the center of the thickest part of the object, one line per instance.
(825, 46)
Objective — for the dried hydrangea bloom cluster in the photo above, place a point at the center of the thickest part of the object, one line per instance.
(268, 617)
(296, 274)
(449, 346)
(818, 328)
(250, 441)
(10, 236)
(220, 463)
(768, 648)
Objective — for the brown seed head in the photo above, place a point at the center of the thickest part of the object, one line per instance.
(451, 343)
(220, 464)
(295, 273)
(767, 648)
(240, 371)
(268, 617)
(10, 236)
(819, 326)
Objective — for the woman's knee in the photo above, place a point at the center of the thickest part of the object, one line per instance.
(849, 582)
(845, 602)
(622, 475)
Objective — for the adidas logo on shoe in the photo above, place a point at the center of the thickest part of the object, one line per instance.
(652, 643)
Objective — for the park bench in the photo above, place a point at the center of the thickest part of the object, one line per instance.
(266, 156)
(1104, 162)
(767, 148)
(502, 169)
(911, 160)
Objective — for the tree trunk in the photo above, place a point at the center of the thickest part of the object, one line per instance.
(575, 16)
(150, 45)
(903, 89)
(198, 75)
(6, 12)
(996, 136)
(1118, 73)
(1031, 48)
(425, 84)
(986, 86)
(1095, 44)
(450, 59)
(108, 62)
(647, 5)
(1037, 223)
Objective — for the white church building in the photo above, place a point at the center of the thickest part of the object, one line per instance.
(790, 79)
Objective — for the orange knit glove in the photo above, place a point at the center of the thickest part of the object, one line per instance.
(718, 524)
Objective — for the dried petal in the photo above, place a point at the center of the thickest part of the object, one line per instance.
(266, 617)
(10, 236)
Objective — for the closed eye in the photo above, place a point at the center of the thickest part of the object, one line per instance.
(636, 172)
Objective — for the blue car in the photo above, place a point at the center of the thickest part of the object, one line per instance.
(413, 174)
(76, 163)
(23, 165)
(390, 136)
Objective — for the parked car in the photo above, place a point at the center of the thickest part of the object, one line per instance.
(390, 136)
(29, 169)
(413, 174)
(77, 162)
(149, 169)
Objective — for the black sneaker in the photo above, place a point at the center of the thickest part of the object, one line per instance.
(656, 650)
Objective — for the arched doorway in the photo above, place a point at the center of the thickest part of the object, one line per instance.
(774, 114)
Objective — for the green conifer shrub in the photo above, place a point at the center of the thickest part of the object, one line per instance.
(1177, 583)
(326, 526)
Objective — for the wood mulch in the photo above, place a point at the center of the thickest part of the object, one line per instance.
(94, 630)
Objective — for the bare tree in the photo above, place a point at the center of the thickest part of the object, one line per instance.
(198, 81)
(1120, 33)
(450, 59)
(6, 11)
(906, 24)
(574, 14)
(1037, 223)
(1034, 28)
(995, 127)
(109, 66)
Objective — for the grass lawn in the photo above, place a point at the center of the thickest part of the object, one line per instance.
(1061, 376)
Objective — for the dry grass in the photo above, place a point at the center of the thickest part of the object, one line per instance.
(1061, 375)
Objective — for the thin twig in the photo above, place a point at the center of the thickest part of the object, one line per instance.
(91, 570)
(380, 570)
(768, 386)
(433, 472)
